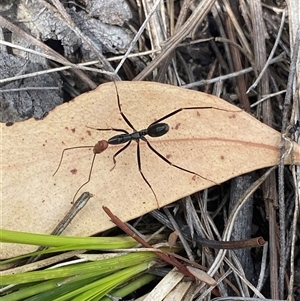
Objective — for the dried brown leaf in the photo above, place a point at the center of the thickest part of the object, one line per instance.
(216, 144)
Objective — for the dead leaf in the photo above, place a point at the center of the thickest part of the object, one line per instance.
(216, 144)
(202, 276)
(172, 239)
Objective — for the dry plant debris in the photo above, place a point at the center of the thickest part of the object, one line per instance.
(246, 52)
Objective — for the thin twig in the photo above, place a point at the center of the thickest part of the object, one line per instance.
(228, 76)
(281, 194)
(137, 36)
(173, 261)
(271, 54)
(197, 16)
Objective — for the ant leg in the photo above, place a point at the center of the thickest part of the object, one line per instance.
(118, 152)
(189, 108)
(141, 172)
(62, 155)
(120, 110)
(174, 165)
(89, 178)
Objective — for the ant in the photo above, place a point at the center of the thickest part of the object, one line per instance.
(155, 129)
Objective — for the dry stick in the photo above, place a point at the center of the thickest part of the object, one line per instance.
(78, 205)
(165, 257)
(43, 263)
(47, 50)
(243, 223)
(271, 207)
(28, 89)
(239, 272)
(267, 97)
(259, 36)
(286, 107)
(230, 245)
(201, 11)
(294, 235)
(232, 43)
(67, 64)
(205, 269)
(261, 278)
(180, 20)
(157, 26)
(271, 54)
(186, 246)
(227, 245)
(41, 54)
(208, 291)
(237, 63)
(215, 244)
(137, 36)
(82, 66)
(296, 176)
(240, 32)
(228, 76)
(219, 258)
(219, 17)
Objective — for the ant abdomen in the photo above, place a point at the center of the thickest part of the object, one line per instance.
(157, 129)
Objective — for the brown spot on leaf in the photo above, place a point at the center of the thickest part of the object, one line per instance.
(89, 132)
(73, 171)
(232, 116)
(168, 156)
(177, 125)
(222, 157)
(198, 114)
(73, 130)
(66, 128)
